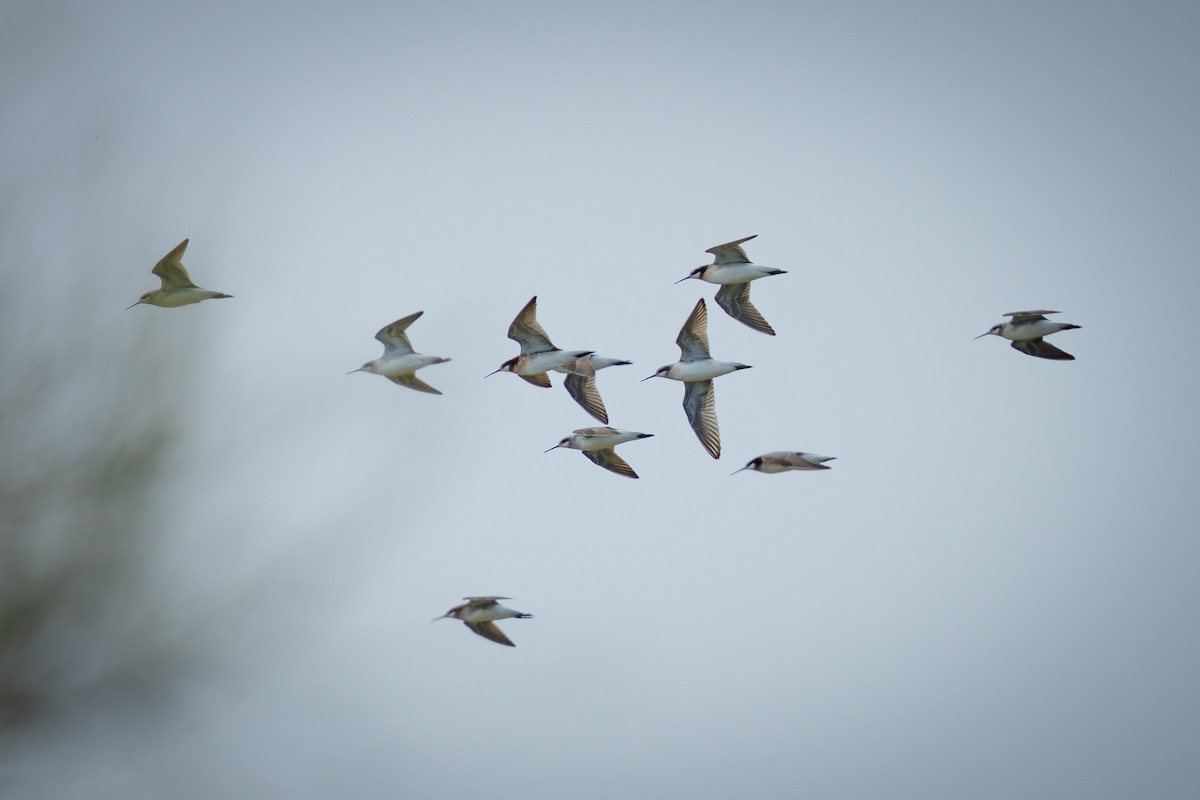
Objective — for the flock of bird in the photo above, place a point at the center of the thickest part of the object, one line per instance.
(731, 269)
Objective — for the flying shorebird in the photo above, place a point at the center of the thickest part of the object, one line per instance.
(539, 356)
(177, 288)
(734, 272)
(480, 613)
(598, 443)
(784, 460)
(696, 368)
(399, 363)
(1026, 329)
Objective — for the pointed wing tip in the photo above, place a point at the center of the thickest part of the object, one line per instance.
(764, 328)
(177, 251)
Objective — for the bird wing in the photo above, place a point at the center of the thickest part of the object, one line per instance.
(693, 336)
(394, 338)
(781, 457)
(488, 630)
(612, 462)
(1027, 316)
(798, 460)
(583, 389)
(1042, 349)
(413, 382)
(735, 299)
(730, 252)
(699, 401)
(580, 366)
(526, 331)
(597, 431)
(541, 379)
(170, 269)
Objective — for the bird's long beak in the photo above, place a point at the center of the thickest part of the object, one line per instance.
(736, 471)
(351, 372)
(552, 448)
(985, 333)
(490, 374)
(684, 278)
(138, 303)
(648, 377)
(443, 616)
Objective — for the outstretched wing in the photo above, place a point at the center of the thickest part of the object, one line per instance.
(413, 382)
(735, 299)
(730, 252)
(170, 269)
(582, 389)
(693, 336)
(796, 460)
(488, 630)
(540, 380)
(394, 338)
(1027, 316)
(526, 331)
(612, 462)
(699, 402)
(605, 431)
(1042, 349)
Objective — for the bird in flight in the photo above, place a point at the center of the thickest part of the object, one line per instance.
(480, 614)
(1026, 330)
(734, 272)
(177, 288)
(399, 362)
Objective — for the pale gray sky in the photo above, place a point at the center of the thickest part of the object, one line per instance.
(992, 594)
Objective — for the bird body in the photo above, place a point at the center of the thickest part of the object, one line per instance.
(1033, 329)
(600, 362)
(704, 369)
(592, 439)
(785, 460)
(529, 365)
(731, 273)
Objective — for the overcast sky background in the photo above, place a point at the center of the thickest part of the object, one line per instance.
(992, 594)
